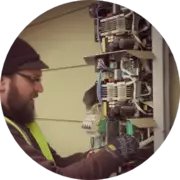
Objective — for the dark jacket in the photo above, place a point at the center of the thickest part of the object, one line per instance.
(101, 165)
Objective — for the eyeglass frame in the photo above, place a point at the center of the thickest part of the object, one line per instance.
(31, 78)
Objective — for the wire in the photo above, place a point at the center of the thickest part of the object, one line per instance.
(138, 40)
(146, 142)
(97, 29)
(99, 87)
(133, 81)
(100, 141)
(92, 142)
(139, 108)
(101, 65)
(134, 33)
(135, 99)
(146, 27)
(133, 22)
(129, 14)
(149, 91)
(96, 108)
(123, 69)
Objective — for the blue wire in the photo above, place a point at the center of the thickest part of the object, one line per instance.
(99, 87)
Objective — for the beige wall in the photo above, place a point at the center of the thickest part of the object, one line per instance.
(62, 42)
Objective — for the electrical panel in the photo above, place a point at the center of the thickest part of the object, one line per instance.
(124, 87)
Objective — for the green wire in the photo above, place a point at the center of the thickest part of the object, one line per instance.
(101, 140)
(129, 128)
(92, 142)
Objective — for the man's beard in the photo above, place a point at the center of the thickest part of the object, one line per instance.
(19, 110)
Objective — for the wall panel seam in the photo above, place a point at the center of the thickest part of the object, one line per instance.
(56, 17)
(59, 120)
(66, 67)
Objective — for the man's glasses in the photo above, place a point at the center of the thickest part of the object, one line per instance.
(33, 79)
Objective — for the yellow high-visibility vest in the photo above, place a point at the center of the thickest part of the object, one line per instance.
(37, 134)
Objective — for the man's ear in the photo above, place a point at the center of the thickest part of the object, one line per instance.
(2, 83)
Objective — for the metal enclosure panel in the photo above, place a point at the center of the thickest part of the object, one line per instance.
(167, 120)
(160, 88)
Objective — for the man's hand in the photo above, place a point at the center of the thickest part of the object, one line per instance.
(92, 152)
(123, 147)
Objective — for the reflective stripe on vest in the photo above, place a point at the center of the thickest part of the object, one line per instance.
(40, 139)
(38, 135)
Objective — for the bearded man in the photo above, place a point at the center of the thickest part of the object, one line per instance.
(20, 85)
